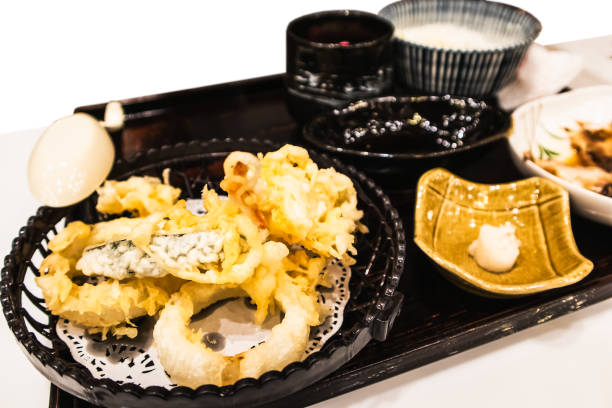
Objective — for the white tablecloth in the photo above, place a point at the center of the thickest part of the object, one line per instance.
(57, 55)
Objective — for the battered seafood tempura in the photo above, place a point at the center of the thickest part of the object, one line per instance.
(286, 193)
(269, 242)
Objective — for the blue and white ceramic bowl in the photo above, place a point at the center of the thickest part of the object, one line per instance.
(439, 60)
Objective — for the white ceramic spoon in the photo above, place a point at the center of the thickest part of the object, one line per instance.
(73, 157)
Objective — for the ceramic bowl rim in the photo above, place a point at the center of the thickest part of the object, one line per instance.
(594, 199)
(534, 22)
(341, 13)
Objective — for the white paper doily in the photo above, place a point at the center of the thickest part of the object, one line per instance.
(229, 324)
(228, 327)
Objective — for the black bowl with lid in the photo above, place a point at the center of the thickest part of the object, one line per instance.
(334, 57)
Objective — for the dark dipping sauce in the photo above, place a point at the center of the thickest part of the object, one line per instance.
(342, 32)
(418, 125)
(340, 29)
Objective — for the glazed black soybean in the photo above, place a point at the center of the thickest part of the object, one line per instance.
(425, 124)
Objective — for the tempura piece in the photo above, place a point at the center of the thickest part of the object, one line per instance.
(189, 362)
(180, 349)
(242, 242)
(221, 247)
(141, 195)
(295, 200)
(108, 303)
(261, 286)
(288, 340)
(122, 259)
(143, 260)
(104, 305)
(103, 276)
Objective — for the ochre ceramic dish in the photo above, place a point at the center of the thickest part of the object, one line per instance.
(450, 211)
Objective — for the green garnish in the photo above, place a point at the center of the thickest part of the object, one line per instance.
(546, 152)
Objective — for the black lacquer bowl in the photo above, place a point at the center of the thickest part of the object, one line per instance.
(407, 134)
(369, 314)
(334, 57)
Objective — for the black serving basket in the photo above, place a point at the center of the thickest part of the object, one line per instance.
(374, 302)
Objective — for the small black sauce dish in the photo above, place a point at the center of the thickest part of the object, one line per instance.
(334, 57)
(394, 134)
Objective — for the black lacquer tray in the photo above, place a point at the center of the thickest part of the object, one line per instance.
(437, 319)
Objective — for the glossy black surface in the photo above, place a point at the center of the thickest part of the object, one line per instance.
(437, 319)
(395, 163)
(339, 30)
(407, 127)
(334, 57)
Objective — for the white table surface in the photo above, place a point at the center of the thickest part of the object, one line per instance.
(58, 55)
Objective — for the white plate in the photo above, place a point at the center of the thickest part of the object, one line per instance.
(533, 123)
